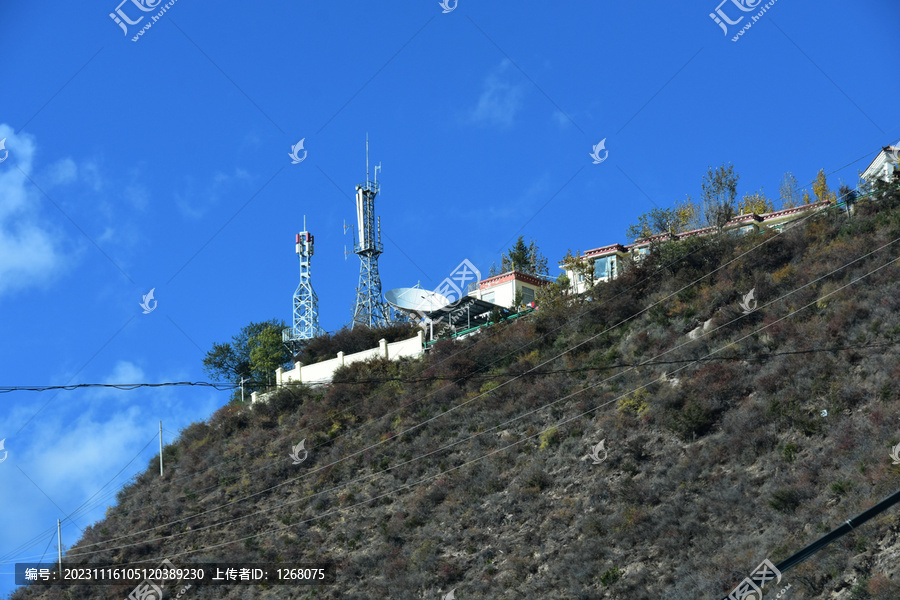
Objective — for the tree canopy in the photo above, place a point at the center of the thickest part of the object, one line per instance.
(719, 189)
(684, 216)
(756, 203)
(524, 258)
(253, 354)
(789, 191)
(821, 190)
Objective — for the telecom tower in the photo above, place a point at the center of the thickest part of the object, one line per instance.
(306, 303)
(369, 310)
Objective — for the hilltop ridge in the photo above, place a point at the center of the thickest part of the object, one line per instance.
(731, 436)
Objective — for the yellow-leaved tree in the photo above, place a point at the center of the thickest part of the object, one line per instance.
(756, 203)
(820, 188)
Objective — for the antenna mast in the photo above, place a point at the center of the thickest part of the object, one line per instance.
(306, 303)
(369, 309)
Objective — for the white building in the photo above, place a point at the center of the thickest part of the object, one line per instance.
(884, 166)
(502, 289)
(608, 260)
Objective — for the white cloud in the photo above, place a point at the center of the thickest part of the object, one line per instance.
(91, 174)
(561, 119)
(500, 100)
(30, 252)
(61, 172)
(195, 203)
(125, 372)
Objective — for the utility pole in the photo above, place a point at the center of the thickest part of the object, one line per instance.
(242, 390)
(59, 547)
(160, 450)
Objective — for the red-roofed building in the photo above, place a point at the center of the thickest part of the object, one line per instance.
(502, 289)
(607, 260)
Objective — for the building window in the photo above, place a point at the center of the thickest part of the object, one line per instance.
(488, 297)
(601, 268)
(527, 295)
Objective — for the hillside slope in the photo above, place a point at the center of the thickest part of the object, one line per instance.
(469, 471)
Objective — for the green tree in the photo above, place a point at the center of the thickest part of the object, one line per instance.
(234, 360)
(537, 262)
(820, 188)
(553, 294)
(640, 230)
(756, 203)
(518, 257)
(847, 194)
(678, 219)
(579, 266)
(267, 353)
(524, 258)
(719, 191)
(789, 191)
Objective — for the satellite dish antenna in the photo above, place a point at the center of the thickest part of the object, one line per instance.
(415, 299)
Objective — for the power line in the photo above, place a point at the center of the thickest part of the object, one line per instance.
(119, 386)
(81, 509)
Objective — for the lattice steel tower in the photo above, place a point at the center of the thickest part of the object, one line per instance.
(370, 309)
(306, 303)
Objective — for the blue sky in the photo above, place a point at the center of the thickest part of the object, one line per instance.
(163, 163)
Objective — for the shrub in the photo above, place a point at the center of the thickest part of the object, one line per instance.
(610, 576)
(537, 480)
(841, 487)
(789, 452)
(786, 500)
(635, 402)
(549, 438)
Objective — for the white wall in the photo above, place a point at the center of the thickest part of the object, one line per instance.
(322, 372)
